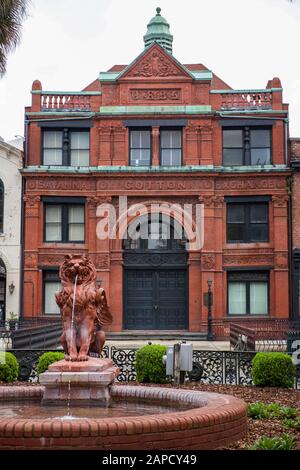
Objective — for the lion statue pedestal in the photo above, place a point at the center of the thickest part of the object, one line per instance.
(79, 383)
(80, 379)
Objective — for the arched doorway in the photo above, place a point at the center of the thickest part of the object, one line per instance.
(2, 290)
(155, 294)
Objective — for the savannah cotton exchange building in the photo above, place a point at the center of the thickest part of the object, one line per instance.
(159, 131)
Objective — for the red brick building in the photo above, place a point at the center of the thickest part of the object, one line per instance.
(158, 131)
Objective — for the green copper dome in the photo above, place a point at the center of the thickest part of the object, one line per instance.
(159, 31)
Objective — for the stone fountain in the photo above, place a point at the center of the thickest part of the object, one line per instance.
(57, 414)
(80, 379)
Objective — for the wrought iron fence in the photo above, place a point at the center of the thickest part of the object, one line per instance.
(30, 334)
(210, 367)
(263, 335)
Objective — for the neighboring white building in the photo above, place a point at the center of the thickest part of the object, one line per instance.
(10, 229)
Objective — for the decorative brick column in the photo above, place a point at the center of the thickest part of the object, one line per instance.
(155, 146)
(280, 240)
(31, 273)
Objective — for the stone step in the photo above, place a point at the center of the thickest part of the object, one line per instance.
(156, 335)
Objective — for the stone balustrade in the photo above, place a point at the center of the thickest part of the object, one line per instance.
(246, 100)
(53, 101)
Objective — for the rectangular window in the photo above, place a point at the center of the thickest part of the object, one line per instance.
(233, 147)
(247, 222)
(66, 147)
(51, 285)
(140, 147)
(170, 147)
(80, 148)
(64, 223)
(75, 223)
(260, 147)
(246, 146)
(53, 147)
(53, 223)
(248, 292)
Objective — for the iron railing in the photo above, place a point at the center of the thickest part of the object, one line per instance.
(262, 335)
(212, 367)
(30, 334)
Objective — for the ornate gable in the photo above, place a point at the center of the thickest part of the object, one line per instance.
(155, 63)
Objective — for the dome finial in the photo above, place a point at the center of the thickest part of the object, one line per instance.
(158, 30)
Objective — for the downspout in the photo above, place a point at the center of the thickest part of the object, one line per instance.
(290, 246)
(290, 222)
(286, 134)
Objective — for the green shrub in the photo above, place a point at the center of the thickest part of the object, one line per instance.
(149, 364)
(9, 367)
(288, 412)
(274, 369)
(292, 423)
(48, 358)
(261, 410)
(258, 410)
(284, 442)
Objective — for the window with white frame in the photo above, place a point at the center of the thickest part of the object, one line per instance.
(248, 292)
(170, 147)
(66, 147)
(140, 147)
(64, 222)
(51, 285)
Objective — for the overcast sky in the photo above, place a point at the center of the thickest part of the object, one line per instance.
(66, 43)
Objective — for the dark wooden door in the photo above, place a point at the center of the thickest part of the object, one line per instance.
(155, 299)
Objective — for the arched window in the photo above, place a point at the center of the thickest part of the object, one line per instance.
(155, 232)
(1, 205)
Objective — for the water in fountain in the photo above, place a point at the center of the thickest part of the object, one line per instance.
(71, 342)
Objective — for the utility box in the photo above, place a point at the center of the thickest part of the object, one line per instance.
(186, 357)
(170, 361)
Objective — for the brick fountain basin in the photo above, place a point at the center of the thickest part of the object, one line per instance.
(183, 420)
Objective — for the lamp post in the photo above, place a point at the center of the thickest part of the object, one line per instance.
(11, 287)
(210, 335)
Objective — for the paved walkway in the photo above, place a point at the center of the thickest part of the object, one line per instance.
(205, 345)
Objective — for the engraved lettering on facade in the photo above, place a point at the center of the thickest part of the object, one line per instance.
(155, 94)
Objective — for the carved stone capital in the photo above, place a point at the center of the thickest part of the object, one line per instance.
(94, 201)
(281, 260)
(208, 261)
(31, 200)
(211, 200)
(102, 261)
(30, 260)
(280, 200)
